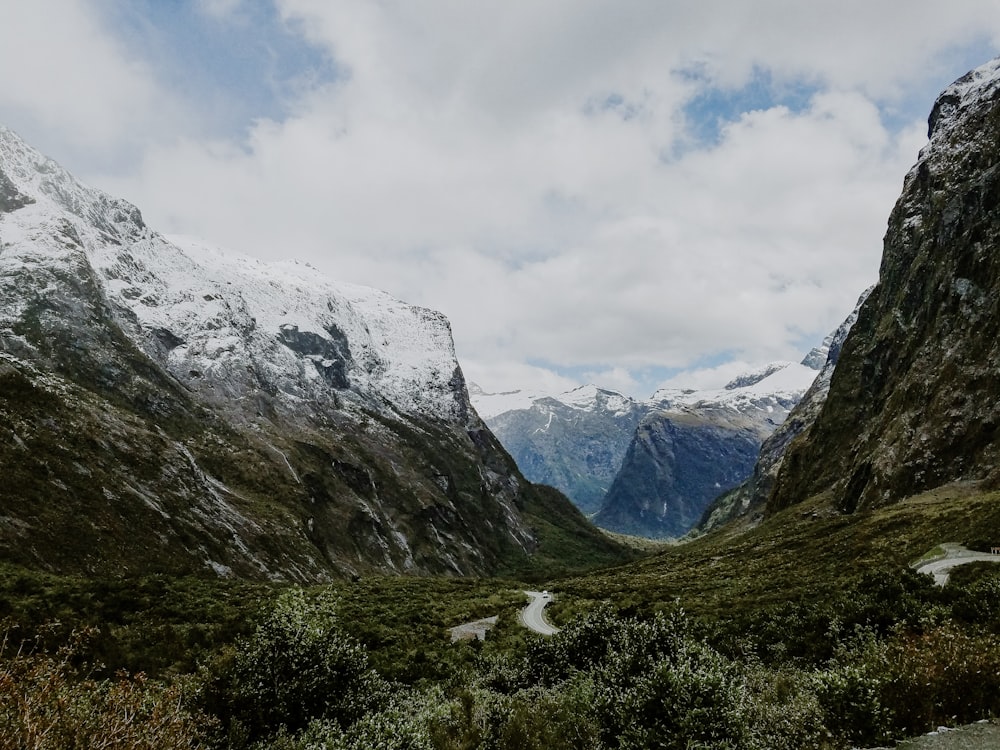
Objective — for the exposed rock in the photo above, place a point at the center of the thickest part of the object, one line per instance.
(913, 401)
(165, 405)
(676, 464)
(574, 442)
(749, 498)
(696, 445)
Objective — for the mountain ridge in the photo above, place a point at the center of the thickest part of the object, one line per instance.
(912, 401)
(229, 415)
(577, 441)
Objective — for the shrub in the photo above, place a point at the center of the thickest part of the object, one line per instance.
(691, 698)
(943, 676)
(47, 704)
(850, 690)
(298, 666)
(784, 712)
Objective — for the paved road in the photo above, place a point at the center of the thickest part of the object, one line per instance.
(532, 616)
(955, 554)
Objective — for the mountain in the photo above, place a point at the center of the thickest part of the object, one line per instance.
(696, 445)
(749, 498)
(589, 440)
(913, 402)
(574, 441)
(165, 405)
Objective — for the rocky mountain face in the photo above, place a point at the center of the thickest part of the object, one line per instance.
(749, 498)
(694, 447)
(168, 406)
(913, 400)
(575, 441)
(649, 467)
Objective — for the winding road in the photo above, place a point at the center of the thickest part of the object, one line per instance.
(533, 616)
(954, 554)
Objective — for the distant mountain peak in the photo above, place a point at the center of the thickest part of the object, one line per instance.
(752, 378)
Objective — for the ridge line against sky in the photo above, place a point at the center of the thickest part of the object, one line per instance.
(635, 194)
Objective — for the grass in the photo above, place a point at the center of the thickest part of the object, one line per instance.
(804, 551)
(162, 624)
(934, 553)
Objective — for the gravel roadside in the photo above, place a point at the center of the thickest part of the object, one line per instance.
(984, 735)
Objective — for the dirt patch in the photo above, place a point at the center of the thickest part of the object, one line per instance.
(471, 630)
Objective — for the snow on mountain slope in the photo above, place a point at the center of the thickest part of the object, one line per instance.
(168, 405)
(693, 445)
(298, 328)
(578, 440)
(787, 381)
(230, 324)
(489, 405)
(780, 381)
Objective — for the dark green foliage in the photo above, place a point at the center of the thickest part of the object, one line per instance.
(567, 541)
(156, 624)
(298, 666)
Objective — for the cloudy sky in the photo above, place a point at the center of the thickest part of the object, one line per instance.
(624, 192)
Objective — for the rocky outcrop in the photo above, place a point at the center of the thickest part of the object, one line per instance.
(676, 464)
(574, 442)
(913, 401)
(613, 454)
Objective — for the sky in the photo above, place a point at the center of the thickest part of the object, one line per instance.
(633, 193)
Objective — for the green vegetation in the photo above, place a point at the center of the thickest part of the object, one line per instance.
(810, 631)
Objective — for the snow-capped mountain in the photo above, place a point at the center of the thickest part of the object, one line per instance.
(198, 408)
(694, 445)
(578, 441)
(749, 498)
(574, 441)
(766, 388)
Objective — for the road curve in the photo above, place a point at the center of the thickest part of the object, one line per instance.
(955, 554)
(533, 617)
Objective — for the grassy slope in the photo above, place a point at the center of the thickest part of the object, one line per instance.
(801, 552)
(160, 623)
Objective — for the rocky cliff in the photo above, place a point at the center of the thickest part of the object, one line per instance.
(913, 400)
(575, 441)
(168, 406)
(694, 446)
(749, 498)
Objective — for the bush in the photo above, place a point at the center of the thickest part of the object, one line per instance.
(783, 711)
(944, 676)
(298, 666)
(47, 704)
(851, 699)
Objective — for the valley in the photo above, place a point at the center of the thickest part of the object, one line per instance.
(244, 505)
(808, 596)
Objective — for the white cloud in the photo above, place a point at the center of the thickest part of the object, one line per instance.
(509, 376)
(69, 86)
(524, 168)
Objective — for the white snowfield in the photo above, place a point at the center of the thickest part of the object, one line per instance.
(784, 386)
(224, 320)
(788, 382)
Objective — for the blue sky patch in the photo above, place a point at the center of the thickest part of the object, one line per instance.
(709, 111)
(244, 66)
